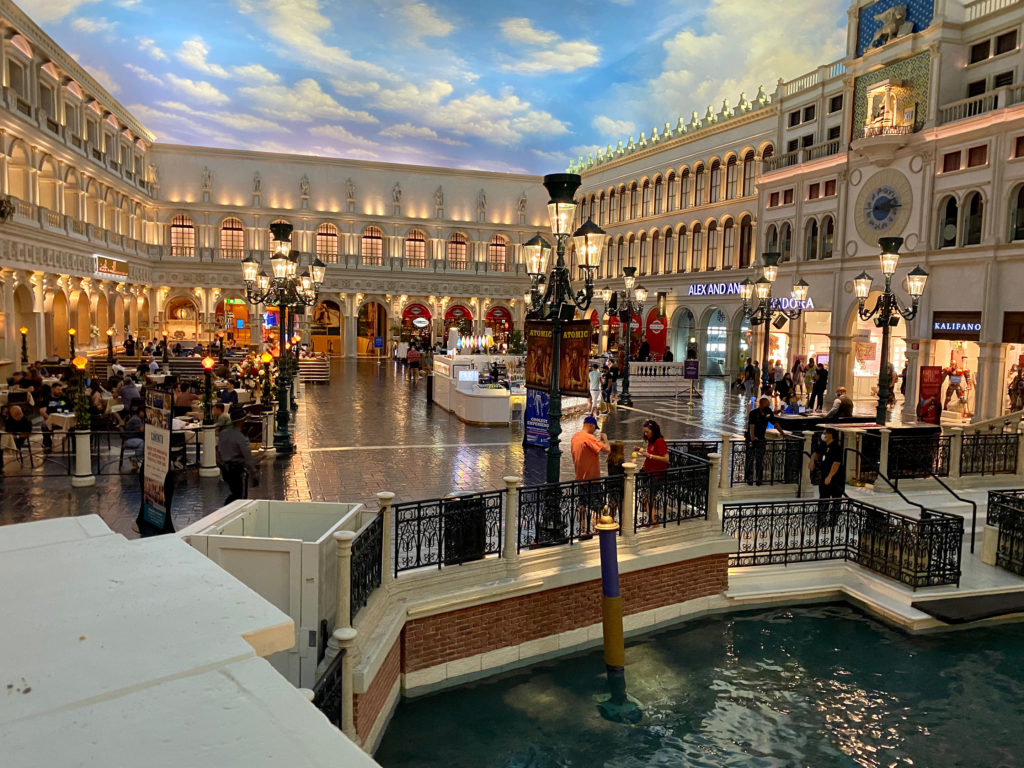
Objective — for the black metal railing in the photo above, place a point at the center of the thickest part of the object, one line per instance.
(327, 691)
(26, 456)
(994, 454)
(448, 531)
(916, 456)
(672, 495)
(770, 462)
(917, 551)
(561, 513)
(1004, 503)
(366, 563)
(680, 450)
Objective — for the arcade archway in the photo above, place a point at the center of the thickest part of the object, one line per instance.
(325, 328)
(182, 320)
(231, 317)
(416, 324)
(372, 329)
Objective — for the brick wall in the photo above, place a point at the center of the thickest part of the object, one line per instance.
(366, 707)
(459, 634)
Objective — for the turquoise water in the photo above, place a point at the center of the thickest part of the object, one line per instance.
(818, 687)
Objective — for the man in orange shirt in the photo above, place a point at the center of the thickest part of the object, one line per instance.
(586, 449)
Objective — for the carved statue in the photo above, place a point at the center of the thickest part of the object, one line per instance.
(206, 180)
(894, 24)
(439, 197)
(521, 205)
(257, 183)
(304, 186)
(350, 189)
(396, 194)
(481, 202)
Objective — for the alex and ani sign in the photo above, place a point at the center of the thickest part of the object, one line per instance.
(956, 326)
(730, 289)
(105, 265)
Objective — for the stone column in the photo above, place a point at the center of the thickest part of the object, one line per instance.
(988, 399)
(509, 547)
(343, 612)
(915, 359)
(805, 472)
(83, 475)
(724, 458)
(713, 515)
(387, 572)
(883, 464)
(956, 445)
(628, 512)
(208, 463)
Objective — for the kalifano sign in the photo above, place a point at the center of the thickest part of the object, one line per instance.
(956, 326)
(733, 289)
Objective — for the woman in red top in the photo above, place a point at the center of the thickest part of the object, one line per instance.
(656, 453)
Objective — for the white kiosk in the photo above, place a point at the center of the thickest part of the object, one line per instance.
(457, 389)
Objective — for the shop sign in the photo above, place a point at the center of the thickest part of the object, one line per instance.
(657, 326)
(421, 322)
(111, 267)
(956, 326)
(733, 289)
(691, 369)
(536, 417)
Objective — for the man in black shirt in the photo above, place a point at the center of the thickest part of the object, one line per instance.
(755, 437)
(18, 425)
(818, 387)
(828, 461)
(56, 403)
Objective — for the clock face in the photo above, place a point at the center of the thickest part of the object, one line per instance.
(881, 207)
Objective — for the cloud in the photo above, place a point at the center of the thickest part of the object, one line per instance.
(193, 53)
(43, 11)
(149, 45)
(104, 78)
(424, 21)
(239, 121)
(554, 54)
(606, 126)
(183, 128)
(302, 102)
(92, 26)
(355, 87)
(408, 130)
(255, 73)
(340, 133)
(144, 74)
(199, 90)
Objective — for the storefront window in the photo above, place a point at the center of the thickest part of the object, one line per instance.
(715, 347)
(817, 328)
(959, 361)
(867, 350)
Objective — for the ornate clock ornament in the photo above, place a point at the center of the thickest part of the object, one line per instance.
(883, 206)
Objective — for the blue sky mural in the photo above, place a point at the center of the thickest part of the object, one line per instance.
(488, 85)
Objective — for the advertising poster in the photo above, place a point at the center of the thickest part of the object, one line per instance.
(538, 356)
(574, 368)
(864, 351)
(929, 401)
(158, 407)
(536, 415)
(156, 465)
(691, 369)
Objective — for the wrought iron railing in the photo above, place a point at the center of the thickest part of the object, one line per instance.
(327, 690)
(917, 456)
(765, 462)
(448, 531)
(991, 454)
(917, 551)
(672, 495)
(561, 513)
(1003, 504)
(682, 452)
(366, 563)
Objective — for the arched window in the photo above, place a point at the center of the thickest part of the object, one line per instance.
(622, 203)
(656, 254)
(748, 173)
(681, 250)
(327, 243)
(659, 189)
(611, 207)
(645, 199)
(696, 247)
(670, 192)
(631, 251)
(1017, 215)
(768, 151)
(232, 239)
(684, 189)
(619, 257)
(593, 199)
(771, 239)
(811, 240)
(183, 237)
(728, 243)
(416, 249)
(712, 256)
(828, 236)
(715, 189)
(746, 241)
(643, 253)
(785, 242)
(373, 247)
(698, 186)
(458, 251)
(732, 173)
(270, 240)
(632, 200)
(948, 219)
(497, 253)
(669, 253)
(601, 209)
(973, 211)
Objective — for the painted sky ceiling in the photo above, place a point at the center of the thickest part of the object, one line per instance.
(524, 87)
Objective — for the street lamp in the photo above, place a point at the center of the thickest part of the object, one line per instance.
(624, 304)
(888, 308)
(71, 337)
(220, 339)
(165, 344)
(760, 307)
(290, 292)
(552, 298)
(266, 358)
(24, 344)
(110, 345)
(208, 363)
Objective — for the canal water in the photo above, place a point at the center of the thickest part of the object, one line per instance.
(815, 686)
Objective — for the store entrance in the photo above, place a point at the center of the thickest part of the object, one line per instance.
(959, 361)
(867, 351)
(416, 325)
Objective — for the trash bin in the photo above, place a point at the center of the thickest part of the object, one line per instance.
(464, 528)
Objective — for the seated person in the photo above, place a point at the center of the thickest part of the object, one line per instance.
(220, 416)
(842, 407)
(228, 395)
(18, 425)
(57, 402)
(184, 399)
(134, 436)
(154, 366)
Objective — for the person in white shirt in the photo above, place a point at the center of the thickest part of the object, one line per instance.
(595, 387)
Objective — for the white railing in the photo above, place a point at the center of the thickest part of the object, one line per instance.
(1008, 423)
(975, 105)
(785, 160)
(822, 73)
(980, 8)
(821, 150)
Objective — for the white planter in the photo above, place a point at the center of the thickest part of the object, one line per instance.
(82, 475)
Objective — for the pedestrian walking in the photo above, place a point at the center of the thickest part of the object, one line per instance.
(818, 388)
(594, 377)
(235, 456)
(828, 473)
(756, 438)
(586, 448)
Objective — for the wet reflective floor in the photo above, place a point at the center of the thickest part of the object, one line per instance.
(369, 430)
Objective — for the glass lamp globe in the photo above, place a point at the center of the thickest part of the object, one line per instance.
(763, 288)
(641, 294)
(916, 281)
(746, 290)
(862, 285)
(800, 291)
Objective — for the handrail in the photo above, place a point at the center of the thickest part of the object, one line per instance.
(889, 482)
(958, 497)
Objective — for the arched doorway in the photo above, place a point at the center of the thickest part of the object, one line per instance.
(657, 334)
(24, 318)
(372, 329)
(416, 324)
(460, 318)
(684, 335)
(144, 329)
(615, 334)
(499, 324)
(595, 331)
(59, 313)
(100, 319)
(867, 351)
(325, 328)
(117, 319)
(182, 320)
(715, 343)
(231, 317)
(80, 318)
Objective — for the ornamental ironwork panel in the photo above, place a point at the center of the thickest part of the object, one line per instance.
(327, 690)
(367, 548)
(770, 462)
(672, 495)
(1003, 503)
(1010, 544)
(448, 531)
(989, 454)
(919, 552)
(561, 513)
(917, 456)
(681, 451)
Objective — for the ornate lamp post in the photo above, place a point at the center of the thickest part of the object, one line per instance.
(110, 345)
(220, 341)
(289, 292)
(208, 363)
(165, 345)
(24, 344)
(624, 304)
(266, 358)
(71, 338)
(887, 310)
(760, 308)
(551, 298)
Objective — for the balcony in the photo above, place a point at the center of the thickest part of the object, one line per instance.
(979, 8)
(805, 155)
(979, 105)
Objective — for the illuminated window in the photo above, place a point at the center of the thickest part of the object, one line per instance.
(373, 247)
(327, 243)
(497, 252)
(232, 239)
(458, 250)
(416, 249)
(183, 237)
